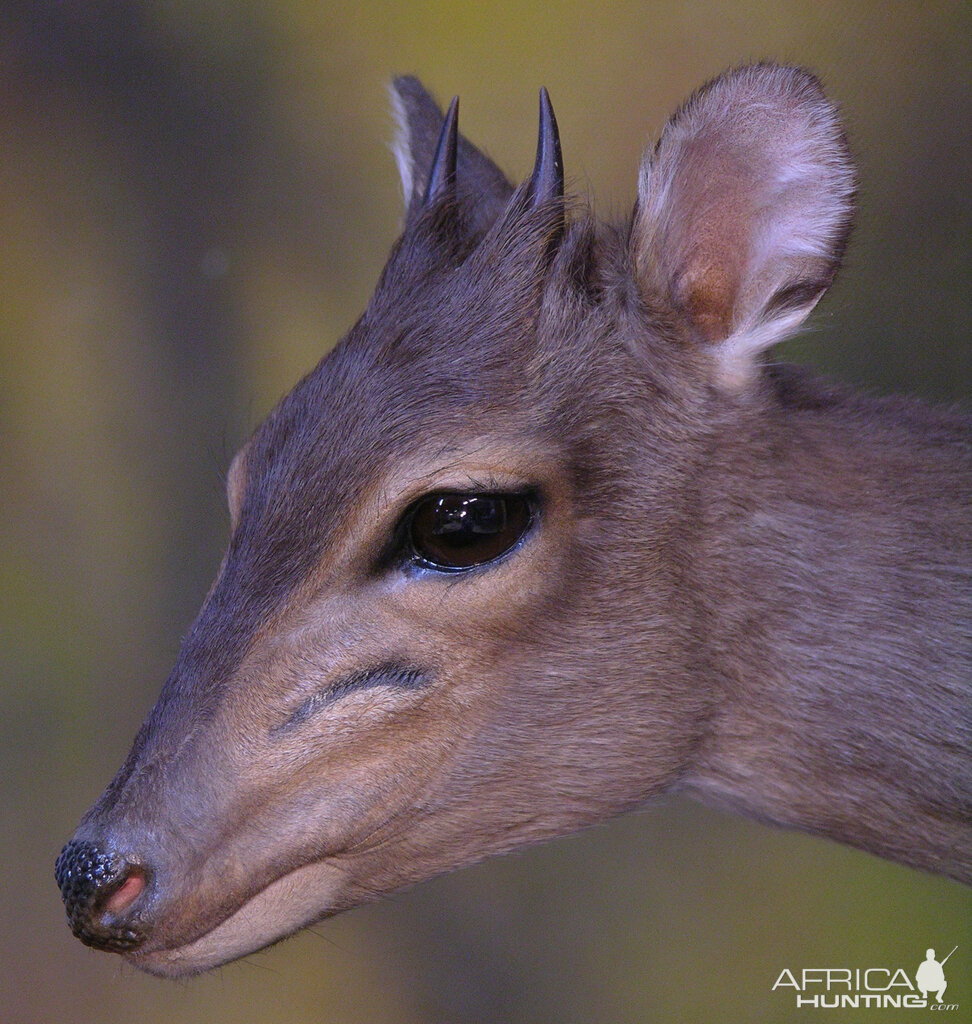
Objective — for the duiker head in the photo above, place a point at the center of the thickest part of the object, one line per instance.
(458, 611)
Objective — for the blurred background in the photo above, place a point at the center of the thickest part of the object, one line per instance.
(195, 201)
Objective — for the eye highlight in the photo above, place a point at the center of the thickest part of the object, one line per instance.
(452, 532)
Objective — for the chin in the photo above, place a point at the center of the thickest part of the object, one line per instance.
(290, 903)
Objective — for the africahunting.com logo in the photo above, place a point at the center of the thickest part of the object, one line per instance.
(851, 988)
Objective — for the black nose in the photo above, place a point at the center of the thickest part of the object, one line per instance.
(89, 877)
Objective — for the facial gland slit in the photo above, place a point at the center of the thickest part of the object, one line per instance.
(399, 677)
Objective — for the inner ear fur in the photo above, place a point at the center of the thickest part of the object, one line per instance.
(419, 121)
(743, 211)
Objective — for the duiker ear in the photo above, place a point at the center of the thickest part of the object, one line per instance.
(419, 124)
(743, 211)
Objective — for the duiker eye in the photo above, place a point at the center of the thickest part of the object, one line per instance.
(453, 532)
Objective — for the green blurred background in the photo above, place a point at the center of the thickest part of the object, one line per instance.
(195, 201)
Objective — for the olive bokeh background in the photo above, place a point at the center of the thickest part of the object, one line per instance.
(195, 201)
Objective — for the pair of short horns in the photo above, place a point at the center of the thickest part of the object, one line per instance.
(546, 182)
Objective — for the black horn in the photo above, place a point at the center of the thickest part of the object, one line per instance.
(442, 174)
(547, 180)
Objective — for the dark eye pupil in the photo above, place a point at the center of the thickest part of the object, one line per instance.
(463, 520)
(459, 531)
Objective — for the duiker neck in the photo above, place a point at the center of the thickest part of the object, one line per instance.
(817, 558)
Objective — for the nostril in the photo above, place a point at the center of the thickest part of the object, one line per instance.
(98, 886)
(127, 893)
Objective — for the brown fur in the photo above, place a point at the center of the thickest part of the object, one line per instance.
(744, 583)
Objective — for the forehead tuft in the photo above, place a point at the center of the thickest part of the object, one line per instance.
(450, 344)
